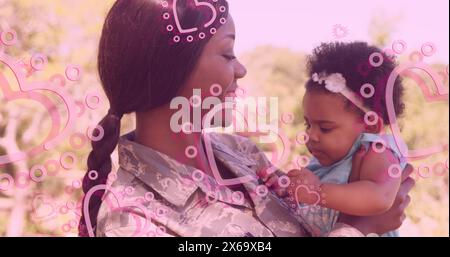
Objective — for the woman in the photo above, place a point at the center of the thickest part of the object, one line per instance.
(149, 54)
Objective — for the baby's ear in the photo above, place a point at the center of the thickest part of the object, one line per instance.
(376, 128)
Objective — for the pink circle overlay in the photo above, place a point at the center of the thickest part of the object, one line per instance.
(191, 152)
(92, 100)
(302, 138)
(38, 61)
(287, 118)
(374, 63)
(93, 175)
(237, 197)
(399, 46)
(129, 190)
(166, 16)
(216, 90)
(73, 72)
(9, 179)
(364, 89)
(302, 161)
(377, 149)
(284, 181)
(149, 196)
(240, 92)
(373, 121)
(395, 171)
(423, 167)
(428, 49)
(198, 175)
(40, 178)
(8, 37)
(90, 133)
(261, 190)
(63, 160)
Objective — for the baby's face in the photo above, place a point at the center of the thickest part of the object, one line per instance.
(331, 126)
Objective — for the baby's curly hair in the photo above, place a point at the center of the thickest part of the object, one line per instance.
(352, 61)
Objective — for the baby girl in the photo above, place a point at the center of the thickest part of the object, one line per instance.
(345, 112)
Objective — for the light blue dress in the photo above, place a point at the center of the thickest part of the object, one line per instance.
(323, 219)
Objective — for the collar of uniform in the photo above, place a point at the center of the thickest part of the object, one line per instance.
(173, 180)
(163, 174)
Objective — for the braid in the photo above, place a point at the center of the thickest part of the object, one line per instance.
(99, 160)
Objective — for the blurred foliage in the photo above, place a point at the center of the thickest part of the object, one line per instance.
(68, 32)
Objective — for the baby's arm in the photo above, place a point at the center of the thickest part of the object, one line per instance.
(373, 194)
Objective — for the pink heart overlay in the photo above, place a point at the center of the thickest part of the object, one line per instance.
(31, 91)
(122, 205)
(42, 208)
(308, 191)
(197, 4)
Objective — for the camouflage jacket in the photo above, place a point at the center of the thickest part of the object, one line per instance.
(154, 195)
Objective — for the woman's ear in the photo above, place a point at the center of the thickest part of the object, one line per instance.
(376, 128)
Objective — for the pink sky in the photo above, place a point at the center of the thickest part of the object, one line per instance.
(302, 25)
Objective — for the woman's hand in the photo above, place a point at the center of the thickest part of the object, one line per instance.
(390, 220)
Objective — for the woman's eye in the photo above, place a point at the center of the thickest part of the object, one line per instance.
(229, 57)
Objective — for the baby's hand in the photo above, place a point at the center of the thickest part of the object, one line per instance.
(304, 187)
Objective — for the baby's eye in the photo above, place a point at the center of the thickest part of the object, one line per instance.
(307, 125)
(326, 130)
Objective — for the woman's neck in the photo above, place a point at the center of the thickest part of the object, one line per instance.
(153, 130)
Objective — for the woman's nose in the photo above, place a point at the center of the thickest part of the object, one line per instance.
(240, 71)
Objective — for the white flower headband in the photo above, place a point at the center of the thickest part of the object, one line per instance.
(336, 83)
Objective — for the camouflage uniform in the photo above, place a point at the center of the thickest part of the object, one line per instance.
(161, 197)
